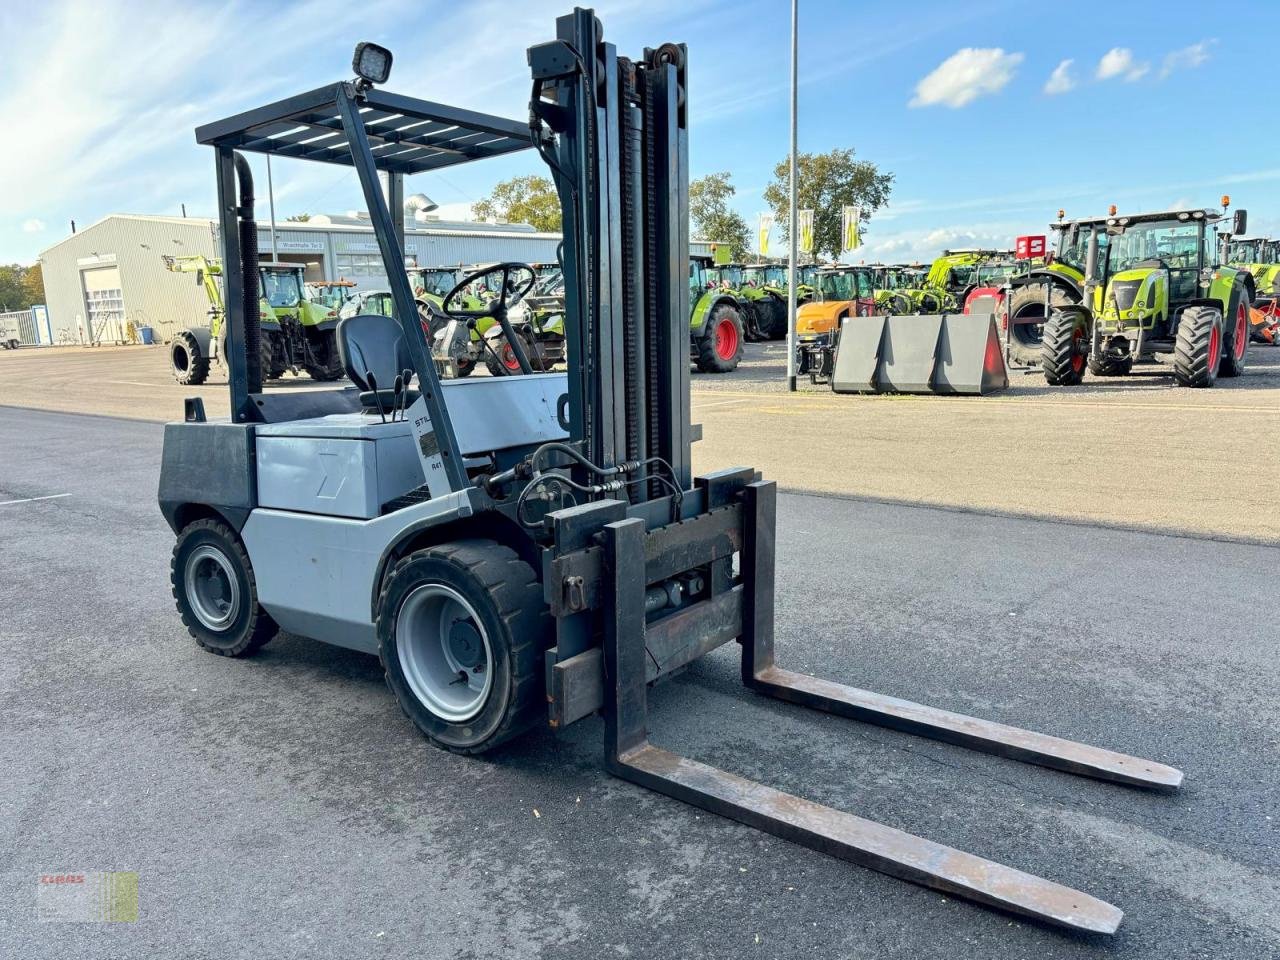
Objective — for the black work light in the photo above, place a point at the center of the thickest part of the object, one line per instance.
(371, 62)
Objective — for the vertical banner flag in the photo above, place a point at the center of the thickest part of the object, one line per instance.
(766, 224)
(805, 218)
(851, 228)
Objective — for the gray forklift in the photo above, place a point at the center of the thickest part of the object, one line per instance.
(531, 569)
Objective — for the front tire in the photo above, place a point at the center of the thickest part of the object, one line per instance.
(1235, 341)
(1064, 348)
(216, 592)
(1197, 353)
(720, 349)
(462, 628)
(190, 365)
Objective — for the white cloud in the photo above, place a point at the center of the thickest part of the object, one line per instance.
(1119, 62)
(966, 75)
(33, 226)
(1188, 58)
(1060, 81)
(923, 246)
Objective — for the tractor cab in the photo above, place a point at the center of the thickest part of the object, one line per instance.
(840, 292)
(772, 276)
(331, 294)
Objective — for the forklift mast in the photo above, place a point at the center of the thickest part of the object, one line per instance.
(614, 133)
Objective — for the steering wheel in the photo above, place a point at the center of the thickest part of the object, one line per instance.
(517, 281)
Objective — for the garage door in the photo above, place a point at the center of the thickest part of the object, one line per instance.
(104, 304)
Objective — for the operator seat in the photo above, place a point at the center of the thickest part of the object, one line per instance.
(370, 343)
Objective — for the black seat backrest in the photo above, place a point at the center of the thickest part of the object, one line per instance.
(372, 343)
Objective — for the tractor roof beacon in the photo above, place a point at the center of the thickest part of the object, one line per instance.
(534, 568)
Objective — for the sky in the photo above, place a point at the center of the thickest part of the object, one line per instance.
(991, 114)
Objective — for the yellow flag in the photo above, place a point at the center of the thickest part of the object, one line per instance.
(852, 228)
(805, 219)
(766, 224)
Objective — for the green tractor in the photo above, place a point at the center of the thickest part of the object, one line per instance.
(715, 318)
(296, 332)
(331, 293)
(1258, 255)
(951, 277)
(303, 334)
(538, 320)
(1152, 283)
(899, 288)
(764, 287)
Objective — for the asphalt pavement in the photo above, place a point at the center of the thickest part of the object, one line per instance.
(281, 806)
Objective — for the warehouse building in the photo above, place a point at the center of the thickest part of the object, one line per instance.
(109, 279)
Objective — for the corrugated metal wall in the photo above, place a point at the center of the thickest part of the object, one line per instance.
(153, 296)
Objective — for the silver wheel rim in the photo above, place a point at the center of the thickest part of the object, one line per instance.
(444, 652)
(213, 589)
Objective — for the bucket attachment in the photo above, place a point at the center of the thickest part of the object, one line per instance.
(948, 353)
(612, 573)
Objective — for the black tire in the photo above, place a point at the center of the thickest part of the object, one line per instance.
(507, 602)
(1235, 336)
(326, 362)
(1025, 338)
(211, 547)
(1110, 366)
(1197, 353)
(718, 352)
(271, 355)
(931, 303)
(190, 365)
(1064, 348)
(771, 317)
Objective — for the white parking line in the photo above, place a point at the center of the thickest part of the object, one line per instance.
(129, 383)
(52, 496)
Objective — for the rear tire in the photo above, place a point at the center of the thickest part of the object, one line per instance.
(1197, 353)
(190, 365)
(462, 628)
(1025, 338)
(506, 365)
(328, 362)
(1065, 347)
(1235, 340)
(772, 318)
(216, 592)
(720, 349)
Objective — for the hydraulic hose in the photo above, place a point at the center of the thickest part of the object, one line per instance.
(249, 277)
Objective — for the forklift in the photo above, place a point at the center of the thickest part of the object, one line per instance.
(532, 569)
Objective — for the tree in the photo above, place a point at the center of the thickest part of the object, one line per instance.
(299, 218)
(20, 287)
(530, 199)
(711, 217)
(828, 182)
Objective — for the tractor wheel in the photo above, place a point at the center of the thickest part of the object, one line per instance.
(327, 365)
(720, 349)
(271, 356)
(771, 314)
(1064, 348)
(506, 364)
(190, 366)
(1197, 353)
(462, 628)
(1025, 338)
(931, 303)
(1110, 366)
(216, 592)
(1235, 340)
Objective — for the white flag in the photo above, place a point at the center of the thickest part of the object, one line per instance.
(805, 221)
(766, 224)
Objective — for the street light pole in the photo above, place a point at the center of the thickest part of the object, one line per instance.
(793, 236)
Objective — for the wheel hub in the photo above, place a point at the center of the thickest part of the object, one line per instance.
(465, 644)
(212, 587)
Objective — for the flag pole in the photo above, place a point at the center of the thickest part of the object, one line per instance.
(792, 231)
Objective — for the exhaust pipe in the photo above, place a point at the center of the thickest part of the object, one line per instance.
(249, 277)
